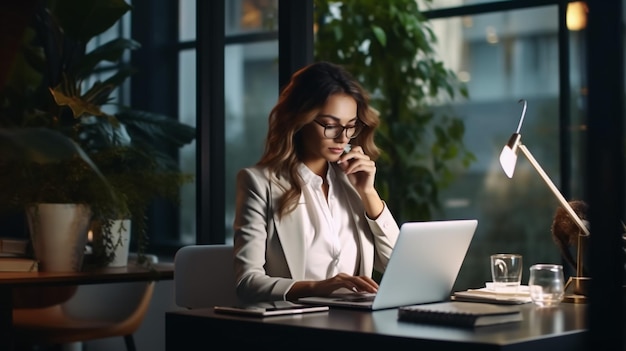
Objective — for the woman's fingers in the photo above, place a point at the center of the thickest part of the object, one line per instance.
(343, 281)
(354, 154)
(360, 283)
(356, 161)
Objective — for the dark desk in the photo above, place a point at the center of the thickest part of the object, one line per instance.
(11, 280)
(560, 328)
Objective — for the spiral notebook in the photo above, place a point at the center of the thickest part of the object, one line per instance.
(422, 268)
(460, 314)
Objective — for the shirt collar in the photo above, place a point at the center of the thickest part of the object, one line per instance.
(311, 178)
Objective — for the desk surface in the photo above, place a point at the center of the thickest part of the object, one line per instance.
(158, 271)
(560, 328)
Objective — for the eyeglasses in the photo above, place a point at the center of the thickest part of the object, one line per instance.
(334, 131)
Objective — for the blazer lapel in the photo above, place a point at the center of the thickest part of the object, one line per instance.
(289, 229)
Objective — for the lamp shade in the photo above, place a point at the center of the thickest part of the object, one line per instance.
(508, 156)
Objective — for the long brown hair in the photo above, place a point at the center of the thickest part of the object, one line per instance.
(305, 94)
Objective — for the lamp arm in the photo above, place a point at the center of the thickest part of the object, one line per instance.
(554, 189)
(580, 255)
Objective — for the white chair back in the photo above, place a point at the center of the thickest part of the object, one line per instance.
(204, 276)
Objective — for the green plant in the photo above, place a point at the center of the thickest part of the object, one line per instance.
(389, 47)
(53, 83)
(30, 152)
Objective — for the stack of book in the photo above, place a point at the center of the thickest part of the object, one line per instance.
(13, 256)
(13, 247)
(520, 295)
(18, 264)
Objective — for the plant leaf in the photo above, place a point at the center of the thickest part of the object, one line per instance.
(380, 35)
(41, 145)
(78, 105)
(156, 129)
(83, 20)
(110, 52)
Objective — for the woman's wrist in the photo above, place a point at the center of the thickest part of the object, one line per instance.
(301, 289)
(373, 204)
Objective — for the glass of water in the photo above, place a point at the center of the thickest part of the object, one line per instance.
(546, 284)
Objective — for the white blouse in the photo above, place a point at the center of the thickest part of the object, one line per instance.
(331, 236)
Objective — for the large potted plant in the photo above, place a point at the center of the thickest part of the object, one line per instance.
(51, 84)
(24, 152)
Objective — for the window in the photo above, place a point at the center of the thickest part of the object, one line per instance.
(503, 55)
(167, 31)
(251, 91)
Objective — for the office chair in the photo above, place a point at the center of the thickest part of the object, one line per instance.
(94, 312)
(204, 276)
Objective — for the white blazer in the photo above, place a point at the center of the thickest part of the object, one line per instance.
(269, 251)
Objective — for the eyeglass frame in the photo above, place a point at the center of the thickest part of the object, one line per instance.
(357, 127)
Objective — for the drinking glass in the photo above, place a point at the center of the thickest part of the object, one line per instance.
(546, 284)
(506, 271)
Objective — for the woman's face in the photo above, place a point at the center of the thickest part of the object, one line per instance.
(339, 111)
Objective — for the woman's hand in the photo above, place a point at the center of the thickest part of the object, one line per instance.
(361, 170)
(346, 281)
(328, 286)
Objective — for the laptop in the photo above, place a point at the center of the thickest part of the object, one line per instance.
(423, 267)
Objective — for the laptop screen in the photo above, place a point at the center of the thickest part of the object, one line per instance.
(423, 266)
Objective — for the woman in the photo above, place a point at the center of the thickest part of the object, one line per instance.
(308, 219)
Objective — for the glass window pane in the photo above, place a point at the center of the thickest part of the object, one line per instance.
(187, 20)
(187, 154)
(504, 57)
(251, 16)
(251, 90)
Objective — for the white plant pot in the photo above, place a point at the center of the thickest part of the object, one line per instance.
(120, 236)
(59, 233)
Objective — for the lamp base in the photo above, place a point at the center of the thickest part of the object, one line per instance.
(573, 298)
(577, 289)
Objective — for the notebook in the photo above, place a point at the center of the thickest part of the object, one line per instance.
(460, 314)
(422, 268)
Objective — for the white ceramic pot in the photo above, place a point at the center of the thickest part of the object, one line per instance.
(120, 236)
(59, 233)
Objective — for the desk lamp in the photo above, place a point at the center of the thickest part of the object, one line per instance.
(508, 158)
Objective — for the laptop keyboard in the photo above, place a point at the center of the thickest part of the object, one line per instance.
(358, 297)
